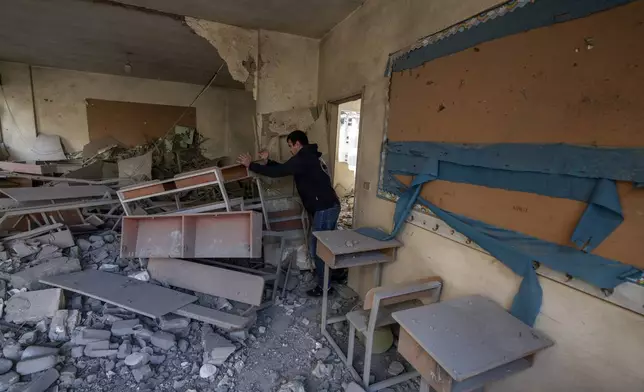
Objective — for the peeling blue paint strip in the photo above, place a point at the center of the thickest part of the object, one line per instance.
(515, 250)
(509, 18)
(556, 170)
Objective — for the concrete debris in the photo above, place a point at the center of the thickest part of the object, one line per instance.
(68, 375)
(217, 348)
(143, 276)
(142, 373)
(163, 340)
(113, 268)
(323, 353)
(35, 365)
(353, 387)
(7, 380)
(136, 360)
(28, 338)
(239, 336)
(174, 324)
(83, 244)
(292, 386)
(29, 277)
(21, 249)
(395, 368)
(322, 370)
(63, 324)
(124, 350)
(34, 306)
(183, 345)
(42, 382)
(37, 351)
(126, 327)
(207, 370)
(5, 365)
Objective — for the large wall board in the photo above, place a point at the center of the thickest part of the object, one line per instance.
(133, 123)
(577, 82)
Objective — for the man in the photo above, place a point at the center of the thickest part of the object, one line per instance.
(313, 184)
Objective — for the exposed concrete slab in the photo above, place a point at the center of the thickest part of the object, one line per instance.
(30, 277)
(31, 307)
(131, 294)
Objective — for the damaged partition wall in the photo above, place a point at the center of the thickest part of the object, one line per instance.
(539, 159)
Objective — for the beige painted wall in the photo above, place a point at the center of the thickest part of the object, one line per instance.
(598, 345)
(224, 116)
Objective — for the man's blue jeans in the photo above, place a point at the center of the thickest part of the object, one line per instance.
(322, 220)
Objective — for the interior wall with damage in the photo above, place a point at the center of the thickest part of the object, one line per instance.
(586, 356)
(224, 116)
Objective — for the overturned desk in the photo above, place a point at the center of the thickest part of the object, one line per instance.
(347, 249)
(465, 343)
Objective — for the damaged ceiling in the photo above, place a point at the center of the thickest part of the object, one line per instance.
(310, 18)
(148, 38)
(100, 37)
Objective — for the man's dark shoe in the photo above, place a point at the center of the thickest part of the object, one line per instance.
(317, 292)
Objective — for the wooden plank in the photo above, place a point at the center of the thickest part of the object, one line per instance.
(131, 294)
(368, 299)
(470, 335)
(223, 320)
(349, 241)
(132, 123)
(439, 379)
(220, 234)
(220, 282)
(56, 192)
(32, 233)
(29, 168)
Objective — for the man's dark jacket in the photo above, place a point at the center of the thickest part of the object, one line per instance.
(311, 177)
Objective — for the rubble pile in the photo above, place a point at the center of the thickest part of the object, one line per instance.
(346, 211)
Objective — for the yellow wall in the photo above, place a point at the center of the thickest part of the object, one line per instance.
(598, 345)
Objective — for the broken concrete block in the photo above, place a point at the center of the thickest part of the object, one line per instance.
(42, 382)
(109, 238)
(48, 251)
(74, 252)
(33, 306)
(136, 360)
(5, 365)
(28, 338)
(292, 386)
(68, 375)
(38, 351)
(58, 327)
(174, 324)
(12, 350)
(35, 365)
(100, 255)
(78, 351)
(100, 345)
(83, 244)
(217, 348)
(143, 333)
(239, 336)
(111, 268)
(126, 327)
(22, 249)
(85, 336)
(100, 353)
(8, 379)
(207, 370)
(30, 277)
(142, 373)
(322, 370)
(163, 340)
(157, 359)
(124, 350)
(96, 239)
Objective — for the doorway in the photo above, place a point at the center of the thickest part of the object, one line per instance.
(346, 159)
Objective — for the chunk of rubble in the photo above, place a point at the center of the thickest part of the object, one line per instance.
(126, 327)
(174, 324)
(163, 340)
(38, 351)
(207, 370)
(7, 380)
(5, 365)
(136, 360)
(63, 324)
(217, 348)
(29, 278)
(142, 373)
(322, 370)
(31, 307)
(35, 365)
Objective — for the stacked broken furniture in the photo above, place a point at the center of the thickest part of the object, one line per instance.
(188, 246)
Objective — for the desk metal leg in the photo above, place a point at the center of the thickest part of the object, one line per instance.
(327, 335)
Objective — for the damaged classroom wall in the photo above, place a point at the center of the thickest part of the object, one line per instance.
(224, 116)
(353, 56)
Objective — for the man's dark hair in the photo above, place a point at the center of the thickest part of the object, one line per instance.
(298, 136)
